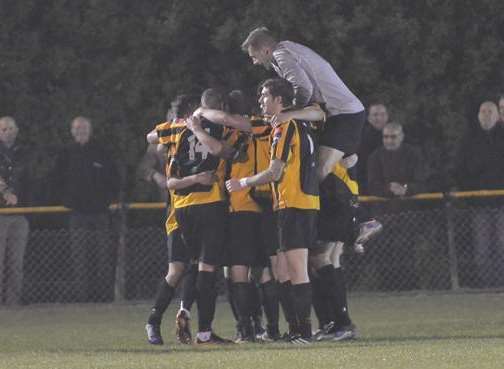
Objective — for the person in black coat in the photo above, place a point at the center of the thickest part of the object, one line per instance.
(13, 228)
(480, 166)
(86, 181)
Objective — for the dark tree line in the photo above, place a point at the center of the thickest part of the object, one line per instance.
(121, 61)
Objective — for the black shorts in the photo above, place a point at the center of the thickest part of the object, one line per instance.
(336, 220)
(245, 243)
(297, 228)
(343, 132)
(203, 229)
(177, 250)
(269, 231)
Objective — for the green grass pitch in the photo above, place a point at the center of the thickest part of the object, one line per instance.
(396, 331)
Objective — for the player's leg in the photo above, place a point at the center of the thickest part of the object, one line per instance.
(166, 289)
(210, 221)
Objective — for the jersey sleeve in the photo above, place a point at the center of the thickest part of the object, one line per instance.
(282, 141)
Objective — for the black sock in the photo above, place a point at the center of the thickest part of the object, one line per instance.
(302, 303)
(189, 291)
(270, 304)
(334, 284)
(287, 303)
(232, 300)
(320, 301)
(255, 303)
(207, 296)
(243, 302)
(164, 296)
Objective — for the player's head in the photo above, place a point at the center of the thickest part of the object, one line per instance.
(275, 95)
(393, 136)
(500, 101)
(259, 45)
(8, 130)
(184, 105)
(488, 115)
(238, 103)
(378, 115)
(213, 98)
(81, 130)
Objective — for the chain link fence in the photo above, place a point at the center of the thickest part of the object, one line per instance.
(425, 245)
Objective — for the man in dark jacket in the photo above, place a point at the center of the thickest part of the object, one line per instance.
(481, 167)
(13, 228)
(87, 183)
(370, 141)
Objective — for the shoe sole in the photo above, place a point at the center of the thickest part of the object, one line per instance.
(369, 235)
(182, 335)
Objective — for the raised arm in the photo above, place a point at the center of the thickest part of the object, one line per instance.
(220, 117)
(311, 113)
(215, 147)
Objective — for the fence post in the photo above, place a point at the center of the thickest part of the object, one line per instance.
(120, 277)
(452, 251)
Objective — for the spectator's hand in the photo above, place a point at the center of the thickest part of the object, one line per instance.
(397, 189)
(10, 199)
(279, 118)
(194, 123)
(233, 185)
(206, 178)
(350, 161)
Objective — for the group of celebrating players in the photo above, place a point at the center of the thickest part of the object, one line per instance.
(271, 196)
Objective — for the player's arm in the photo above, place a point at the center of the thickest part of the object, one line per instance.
(152, 137)
(220, 117)
(204, 178)
(215, 147)
(272, 174)
(312, 113)
(292, 72)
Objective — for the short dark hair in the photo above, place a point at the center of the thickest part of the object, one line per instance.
(239, 103)
(280, 87)
(184, 105)
(258, 37)
(212, 98)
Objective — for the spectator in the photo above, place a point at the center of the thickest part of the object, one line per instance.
(87, 181)
(480, 167)
(371, 140)
(13, 228)
(396, 169)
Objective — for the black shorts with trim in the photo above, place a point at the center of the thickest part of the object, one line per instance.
(203, 229)
(343, 132)
(336, 220)
(245, 245)
(297, 228)
(177, 251)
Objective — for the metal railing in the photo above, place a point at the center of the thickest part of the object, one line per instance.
(433, 241)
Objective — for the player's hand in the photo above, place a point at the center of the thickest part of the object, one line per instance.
(10, 198)
(159, 179)
(194, 123)
(206, 178)
(233, 185)
(397, 188)
(279, 118)
(198, 113)
(350, 161)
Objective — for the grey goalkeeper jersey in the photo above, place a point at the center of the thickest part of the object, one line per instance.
(314, 79)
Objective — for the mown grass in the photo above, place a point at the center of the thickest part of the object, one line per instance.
(414, 331)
